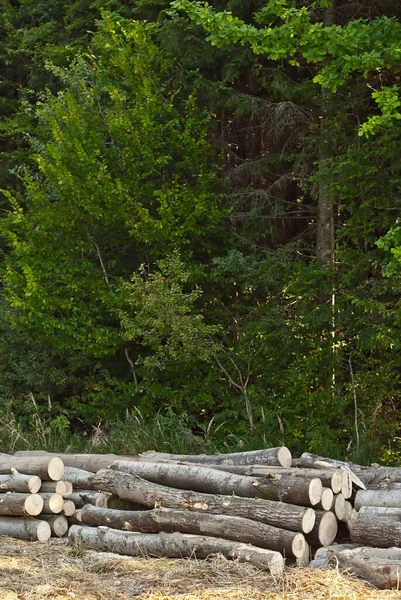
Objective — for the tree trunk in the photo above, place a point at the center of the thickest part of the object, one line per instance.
(270, 456)
(391, 498)
(19, 505)
(25, 529)
(376, 526)
(373, 565)
(46, 468)
(325, 530)
(89, 497)
(17, 482)
(231, 528)
(174, 545)
(58, 524)
(52, 503)
(134, 489)
(306, 492)
(64, 488)
(79, 478)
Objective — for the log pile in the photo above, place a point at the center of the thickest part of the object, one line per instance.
(259, 506)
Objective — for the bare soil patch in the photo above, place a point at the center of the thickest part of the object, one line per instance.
(56, 571)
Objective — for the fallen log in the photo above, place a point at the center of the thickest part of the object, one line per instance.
(52, 503)
(41, 466)
(19, 505)
(306, 492)
(376, 526)
(88, 497)
(19, 482)
(25, 529)
(222, 526)
(269, 456)
(174, 545)
(137, 490)
(390, 498)
(325, 529)
(58, 524)
(64, 488)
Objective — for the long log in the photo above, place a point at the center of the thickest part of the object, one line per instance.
(306, 492)
(79, 478)
(269, 456)
(19, 482)
(319, 462)
(89, 497)
(19, 505)
(58, 524)
(137, 490)
(25, 529)
(222, 526)
(46, 468)
(325, 530)
(377, 526)
(52, 503)
(88, 462)
(64, 488)
(391, 498)
(174, 545)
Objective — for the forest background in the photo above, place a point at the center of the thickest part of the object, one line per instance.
(200, 237)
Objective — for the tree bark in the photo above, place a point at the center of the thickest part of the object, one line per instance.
(79, 478)
(373, 565)
(174, 545)
(391, 498)
(64, 488)
(19, 505)
(88, 462)
(25, 529)
(135, 489)
(42, 466)
(18, 482)
(325, 530)
(377, 526)
(52, 503)
(89, 497)
(58, 524)
(222, 526)
(270, 456)
(306, 492)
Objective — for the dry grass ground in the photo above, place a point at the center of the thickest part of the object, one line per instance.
(55, 571)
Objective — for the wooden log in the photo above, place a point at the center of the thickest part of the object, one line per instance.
(42, 466)
(87, 462)
(346, 484)
(68, 508)
(19, 505)
(349, 510)
(329, 551)
(52, 503)
(325, 529)
(79, 478)
(19, 482)
(391, 498)
(58, 524)
(76, 518)
(174, 545)
(222, 526)
(304, 560)
(373, 565)
(89, 497)
(306, 492)
(327, 499)
(339, 507)
(269, 456)
(137, 490)
(319, 462)
(25, 529)
(64, 488)
(377, 526)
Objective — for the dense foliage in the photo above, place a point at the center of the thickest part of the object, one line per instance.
(200, 222)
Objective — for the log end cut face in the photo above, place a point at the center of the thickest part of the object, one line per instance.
(33, 505)
(284, 457)
(308, 520)
(43, 531)
(55, 468)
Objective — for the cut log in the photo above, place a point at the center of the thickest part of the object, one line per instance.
(391, 498)
(64, 488)
(306, 492)
(377, 526)
(25, 529)
(325, 529)
(329, 551)
(19, 482)
(269, 456)
(52, 503)
(373, 565)
(174, 545)
(88, 462)
(231, 528)
(58, 524)
(349, 510)
(18, 505)
(79, 478)
(339, 507)
(327, 499)
(303, 561)
(134, 489)
(76, 518)
(319, 462)
(42, 466)
(89, 497)
(346, 484)
(68, 508)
